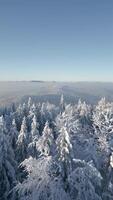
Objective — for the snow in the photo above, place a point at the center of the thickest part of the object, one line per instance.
(50, 152)
(111, 160)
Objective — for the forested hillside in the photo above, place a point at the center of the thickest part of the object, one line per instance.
(50, 152)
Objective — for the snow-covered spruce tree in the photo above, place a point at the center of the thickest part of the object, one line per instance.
(43, 181)
(34, 136)
(29, 102)
(13, 134)
(51, 176)
(34, 129)
(22, 142)
(45, 143)
(48, 112)
(30, 115)
(18, 115)
(103, 132)
(3, 125)
(43, 118)
(85, 182)
(85, 117)
(64, 152)
(78, 120)
(62, 104)
(66, 118)
(103, 119)
(21, 112)
(107, 184)
(71, 120)
(32, 110)
(8, 121)
(25, 109)
(7, 164)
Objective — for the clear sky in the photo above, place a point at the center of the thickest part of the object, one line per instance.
(62, 40)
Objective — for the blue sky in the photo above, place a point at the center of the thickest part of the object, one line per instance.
(63, 40)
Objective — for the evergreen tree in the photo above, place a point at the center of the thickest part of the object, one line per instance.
(33, 137)
(22, 142)
(62, 104)
(13, 134)
(7, 164)
(64, 148)
(44, 144)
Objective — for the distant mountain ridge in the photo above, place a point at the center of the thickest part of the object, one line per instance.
(89, 91)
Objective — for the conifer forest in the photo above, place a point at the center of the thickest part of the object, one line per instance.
(56, 152)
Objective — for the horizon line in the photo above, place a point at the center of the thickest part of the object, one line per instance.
(67, 81)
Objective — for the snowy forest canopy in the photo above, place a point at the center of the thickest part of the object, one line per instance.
(50, 152)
